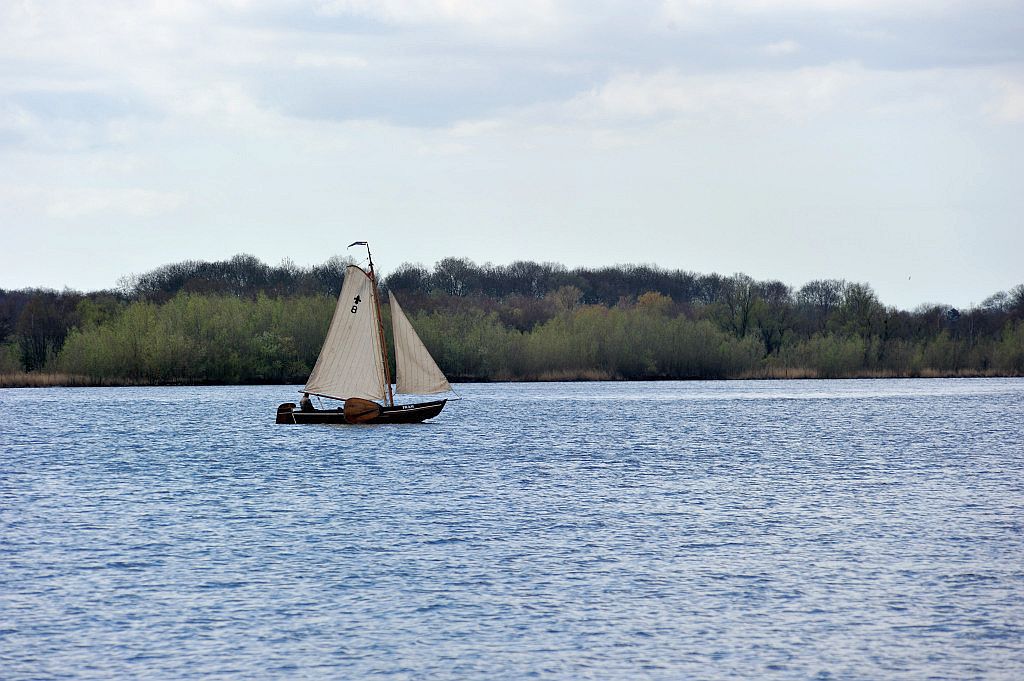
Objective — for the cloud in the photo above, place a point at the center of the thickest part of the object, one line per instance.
(1007, 106)
(257, 65)
(521, 19)
(75, 203)
(692, 9)
(324, 60)
(793, 94)
(781, 48)
(71, 203)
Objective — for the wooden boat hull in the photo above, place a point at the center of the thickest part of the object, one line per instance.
(400, 413)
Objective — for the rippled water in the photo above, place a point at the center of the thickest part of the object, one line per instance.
(789, 529)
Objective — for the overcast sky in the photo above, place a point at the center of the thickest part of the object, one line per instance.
(879, 141)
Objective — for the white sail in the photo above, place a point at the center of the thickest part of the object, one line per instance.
(351, 362)
(418, 373)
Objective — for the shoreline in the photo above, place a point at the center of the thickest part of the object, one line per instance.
(61, 380)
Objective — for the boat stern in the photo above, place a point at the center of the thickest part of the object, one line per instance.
(284, 413)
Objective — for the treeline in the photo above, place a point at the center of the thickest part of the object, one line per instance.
(34, 323)
(241, 320)
(242, 275)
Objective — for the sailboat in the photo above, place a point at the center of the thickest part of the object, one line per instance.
(353, 362)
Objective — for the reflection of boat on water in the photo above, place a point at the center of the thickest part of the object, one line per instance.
(353, 362)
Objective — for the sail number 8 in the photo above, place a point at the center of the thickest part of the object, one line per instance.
(355, 307)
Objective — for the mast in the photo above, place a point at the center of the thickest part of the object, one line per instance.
(380, 321)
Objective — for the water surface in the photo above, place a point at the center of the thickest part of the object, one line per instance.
(786, 529)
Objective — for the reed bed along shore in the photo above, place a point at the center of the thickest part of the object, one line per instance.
(782, 373)
(33, 379)
(62, 380)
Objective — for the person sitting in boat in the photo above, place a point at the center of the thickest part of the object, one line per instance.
(305, 404)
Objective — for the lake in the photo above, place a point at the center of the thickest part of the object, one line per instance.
(777, 529)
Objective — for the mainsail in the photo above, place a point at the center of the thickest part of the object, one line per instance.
(418, 373)
(351, 362)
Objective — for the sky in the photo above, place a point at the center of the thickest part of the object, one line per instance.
(869, 140)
